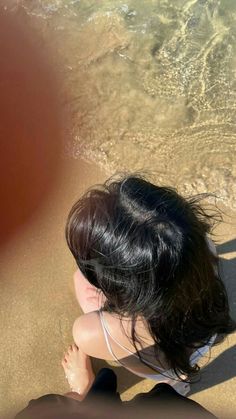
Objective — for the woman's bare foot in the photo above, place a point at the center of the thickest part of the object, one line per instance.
(78, 370)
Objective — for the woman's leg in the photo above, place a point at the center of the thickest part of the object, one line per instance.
(88, 296)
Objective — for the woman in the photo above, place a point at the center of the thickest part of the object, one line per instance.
(147, 280)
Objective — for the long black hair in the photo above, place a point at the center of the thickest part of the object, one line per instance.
(146, 248)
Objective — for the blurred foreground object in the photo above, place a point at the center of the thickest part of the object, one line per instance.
(30, 132)
(104, 402)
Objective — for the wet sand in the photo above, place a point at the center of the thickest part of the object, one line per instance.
(38, 308)
(148, 85)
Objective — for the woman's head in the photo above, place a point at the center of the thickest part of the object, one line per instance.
(145, 247)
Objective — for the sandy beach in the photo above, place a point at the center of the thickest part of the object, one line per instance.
(145, 86)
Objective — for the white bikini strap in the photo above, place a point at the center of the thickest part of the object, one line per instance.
(163, 373)
(202, 351)
(106, 334)
(112, 337)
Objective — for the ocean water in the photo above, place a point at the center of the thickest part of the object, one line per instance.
(149, 85)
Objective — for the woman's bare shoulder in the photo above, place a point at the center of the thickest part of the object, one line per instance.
(86, 327)
(88, 335)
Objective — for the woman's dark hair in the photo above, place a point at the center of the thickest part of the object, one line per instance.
(146, 248)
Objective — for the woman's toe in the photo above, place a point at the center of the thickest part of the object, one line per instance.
(64, 363)
(74, 347)
(66, 356)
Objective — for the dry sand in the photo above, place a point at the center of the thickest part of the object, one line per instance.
(38, 308)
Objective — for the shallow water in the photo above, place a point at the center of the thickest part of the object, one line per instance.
(149, 85)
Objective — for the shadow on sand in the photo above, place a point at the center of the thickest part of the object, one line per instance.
(222, 368)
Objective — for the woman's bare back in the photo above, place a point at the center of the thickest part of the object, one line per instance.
(89, 335)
